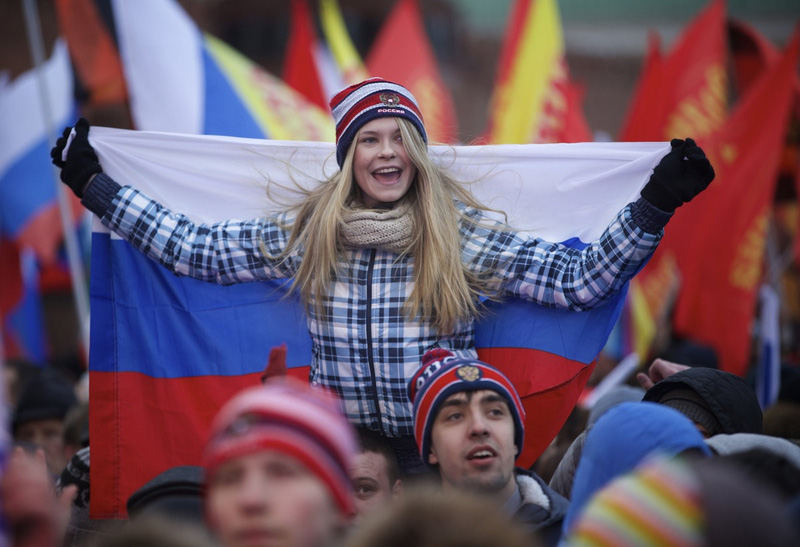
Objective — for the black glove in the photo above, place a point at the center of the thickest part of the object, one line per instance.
(81, 162)
(680, 175)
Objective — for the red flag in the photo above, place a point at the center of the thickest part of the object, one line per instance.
(684, 94)
(647, 104)
(299, 64)
(722, 270)
(402, 53)
(752, 53)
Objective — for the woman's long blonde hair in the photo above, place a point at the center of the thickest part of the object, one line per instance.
(445, 290)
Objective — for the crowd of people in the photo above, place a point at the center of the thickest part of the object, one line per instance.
(421, 449)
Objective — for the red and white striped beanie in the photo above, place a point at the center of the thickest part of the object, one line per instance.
(291, 417)
(363, 102)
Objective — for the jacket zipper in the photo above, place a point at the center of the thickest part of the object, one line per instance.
(370, 359)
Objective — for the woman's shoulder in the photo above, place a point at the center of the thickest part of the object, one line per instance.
(468, 211)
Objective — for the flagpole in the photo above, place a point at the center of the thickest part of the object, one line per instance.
(76, 271)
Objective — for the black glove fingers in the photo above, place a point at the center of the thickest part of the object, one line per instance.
(81, 162)
(674, 143)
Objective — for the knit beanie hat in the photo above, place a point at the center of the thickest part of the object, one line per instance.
(287, 416)
(363, 102)
(176, 493)
(47, 395)
(694, 407)
(442, 374)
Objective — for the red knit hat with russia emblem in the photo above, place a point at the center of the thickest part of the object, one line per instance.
(442, 374)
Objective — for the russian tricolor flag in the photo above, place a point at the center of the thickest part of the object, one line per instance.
(167, 351)
(30, 225)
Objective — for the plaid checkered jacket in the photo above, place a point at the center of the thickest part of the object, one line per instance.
(364, 348)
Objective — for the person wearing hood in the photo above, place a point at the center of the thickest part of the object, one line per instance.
(715, 400)
(624, 437)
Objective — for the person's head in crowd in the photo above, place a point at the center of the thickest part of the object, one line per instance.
(375, 473)
(38, 419)
(774, 460)
(427, 517)
(623, 438)
(33, 514)
(715, 400)
(277, 467)
(16, 373)
(176, 493)
(468, 424)
(680, 503)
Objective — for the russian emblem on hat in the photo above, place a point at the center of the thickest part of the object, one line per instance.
(390, 99)
(469, 373)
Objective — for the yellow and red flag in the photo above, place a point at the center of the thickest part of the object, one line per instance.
(403, 54)
(534, 100)
(344, 52)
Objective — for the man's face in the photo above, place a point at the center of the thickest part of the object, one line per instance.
(472, 441)
(371, 483)
(270, 499)
(47, 434)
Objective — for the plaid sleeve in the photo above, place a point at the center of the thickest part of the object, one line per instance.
(225, 253)
(555, 275)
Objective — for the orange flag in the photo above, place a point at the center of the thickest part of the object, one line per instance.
(93, 51)
(534, 99)
(682, 94)
(402, 53)
(723, 266)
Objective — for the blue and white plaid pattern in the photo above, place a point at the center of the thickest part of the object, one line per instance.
(366, 350)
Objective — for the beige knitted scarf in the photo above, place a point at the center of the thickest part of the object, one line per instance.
(389, 229)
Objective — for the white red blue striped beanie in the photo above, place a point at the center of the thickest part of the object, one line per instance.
(363, 102)
(441, 375)
(291, 417)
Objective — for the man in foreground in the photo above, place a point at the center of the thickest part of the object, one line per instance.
(468, 424)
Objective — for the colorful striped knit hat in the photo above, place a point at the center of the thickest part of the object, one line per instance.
(290, 417)
(658, 504)
(443, 374)
(373, 98)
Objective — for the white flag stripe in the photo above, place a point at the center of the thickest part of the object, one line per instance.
(557, 190)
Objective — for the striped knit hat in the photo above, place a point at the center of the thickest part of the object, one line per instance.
(290, 417)
(442, 374)
(373, 98)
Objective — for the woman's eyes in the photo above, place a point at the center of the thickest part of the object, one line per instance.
(373, 140)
